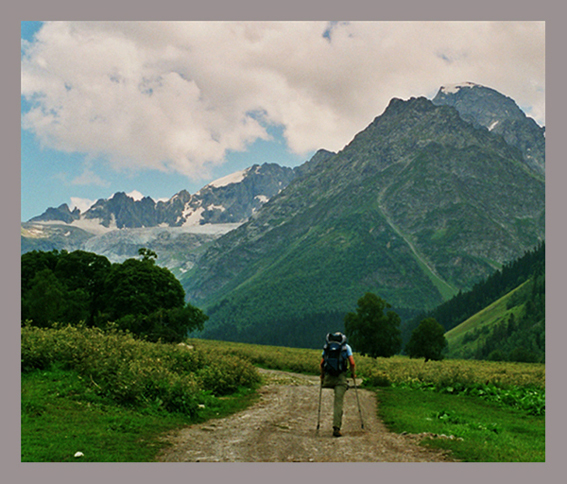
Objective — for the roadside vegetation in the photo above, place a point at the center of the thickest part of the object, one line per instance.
(109, 395)
(482, 411)
(112, 396)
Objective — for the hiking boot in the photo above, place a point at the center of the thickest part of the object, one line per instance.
(336, 432)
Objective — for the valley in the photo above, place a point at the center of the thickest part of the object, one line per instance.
(431, 198)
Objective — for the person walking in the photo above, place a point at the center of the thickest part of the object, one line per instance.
(336, 359)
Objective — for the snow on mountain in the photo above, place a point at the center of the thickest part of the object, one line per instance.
(236, 177)
(454, 88)
(118, 226)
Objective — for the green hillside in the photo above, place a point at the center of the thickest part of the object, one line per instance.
(512, 328)
(464, 339)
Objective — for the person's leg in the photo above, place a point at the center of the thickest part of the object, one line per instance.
(340, 390)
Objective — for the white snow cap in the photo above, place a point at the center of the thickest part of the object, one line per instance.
(229, 179)
(453, 88)
(136, 195)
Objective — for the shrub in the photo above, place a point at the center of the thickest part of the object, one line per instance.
(226, 373)
(377, 378)
(133, 372)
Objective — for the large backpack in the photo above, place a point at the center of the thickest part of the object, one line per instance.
(335, 354)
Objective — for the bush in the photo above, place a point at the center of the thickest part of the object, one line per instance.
(226, 373)
(133, 372)
(377, 378)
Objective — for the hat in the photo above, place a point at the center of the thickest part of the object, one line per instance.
(338, 337)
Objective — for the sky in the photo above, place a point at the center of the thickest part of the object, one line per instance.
(151, 108)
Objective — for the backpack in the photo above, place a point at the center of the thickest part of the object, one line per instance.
(335, 354)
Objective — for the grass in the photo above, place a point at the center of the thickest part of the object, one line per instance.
(397, 369)
(481, 431)
(61, 416)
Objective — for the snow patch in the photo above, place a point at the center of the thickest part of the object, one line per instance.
(94, 225)
(236, 177)
(213, 229)
(493, 125)
(136, 195)
(454, 88)
(192, 217)
(261, 198)
(35, 232)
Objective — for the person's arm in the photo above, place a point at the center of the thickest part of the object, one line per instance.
(321, 365)
(352, 366)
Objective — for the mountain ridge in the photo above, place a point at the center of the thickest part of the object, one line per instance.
(373, 185)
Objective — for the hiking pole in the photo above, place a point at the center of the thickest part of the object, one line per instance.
(319, 413)
(358, 402)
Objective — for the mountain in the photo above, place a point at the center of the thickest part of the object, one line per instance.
(432, 197)
(483, 106)
(419, 205)
(176, 229)
(231, 199)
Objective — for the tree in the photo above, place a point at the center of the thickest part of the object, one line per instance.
(427, 341)
(372, 332)
(149, 301)
(63, 286)
(140, 287)
(44, 302)
(79, 286)
(168, 325)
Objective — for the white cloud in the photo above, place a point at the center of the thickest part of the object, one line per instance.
(83, 204)
(177, 96)
(87, 177)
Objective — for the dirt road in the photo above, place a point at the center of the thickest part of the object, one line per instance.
(282, 427)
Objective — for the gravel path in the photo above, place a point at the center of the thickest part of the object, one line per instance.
(282, 427)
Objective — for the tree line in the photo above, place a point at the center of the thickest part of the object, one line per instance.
(137, 295)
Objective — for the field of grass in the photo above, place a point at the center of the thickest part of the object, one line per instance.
(481, 411)
(395, 370)
(112, 397)
(474, 430)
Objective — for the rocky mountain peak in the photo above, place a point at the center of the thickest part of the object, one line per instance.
(485, 107)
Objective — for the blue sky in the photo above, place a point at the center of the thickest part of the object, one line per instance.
(157, 107)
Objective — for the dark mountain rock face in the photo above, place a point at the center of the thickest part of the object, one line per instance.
(418, 206)
(61, 213)
(500, 114)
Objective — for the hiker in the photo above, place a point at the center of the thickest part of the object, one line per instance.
(334, 366)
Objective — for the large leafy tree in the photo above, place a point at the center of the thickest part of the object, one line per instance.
(59, 286)
(43, 301)
(140, 287)
(79, 286)
(371, 331)
(427, 341)
(149, 301)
